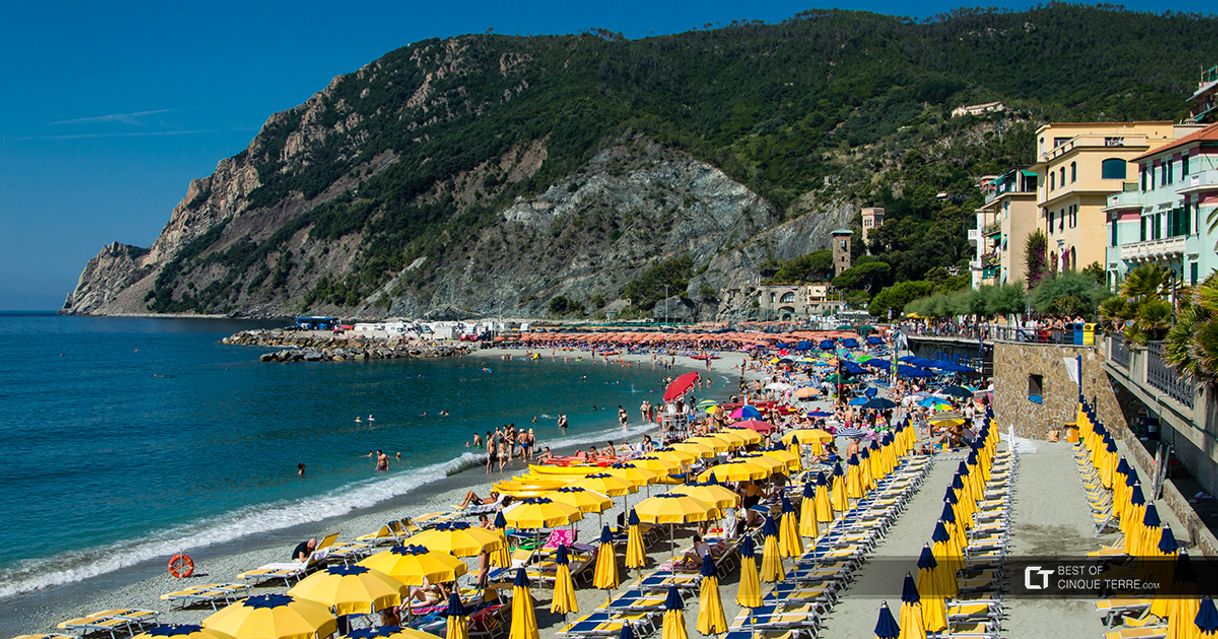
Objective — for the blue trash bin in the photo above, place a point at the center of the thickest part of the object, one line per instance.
(1077, 328)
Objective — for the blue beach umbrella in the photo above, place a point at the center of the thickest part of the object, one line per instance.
(886, 626)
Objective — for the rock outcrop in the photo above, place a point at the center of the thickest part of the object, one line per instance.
(314, 346)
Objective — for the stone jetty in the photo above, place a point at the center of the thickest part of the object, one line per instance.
(324, 346)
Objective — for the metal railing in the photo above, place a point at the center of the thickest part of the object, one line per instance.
(1118, 351)
(990, 332)
(1162, 376)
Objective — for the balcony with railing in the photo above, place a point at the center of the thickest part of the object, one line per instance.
(1200, 181)
(1112, 140)
(1170, 247)
(974, 235)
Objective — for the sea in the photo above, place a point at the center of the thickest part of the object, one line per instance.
(124, 440)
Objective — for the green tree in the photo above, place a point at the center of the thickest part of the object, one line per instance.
(816, 266)
(864, 277)
(1097, 272)
(1035, 248)
(1005, 299)
(1070, 294)
(896, 297)
(670, 276)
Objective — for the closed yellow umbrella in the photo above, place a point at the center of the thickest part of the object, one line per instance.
(524, 617)
(587, 501)
(415, 565)
(605, 576)
(911, 611)
(500, 557)
(1167, 548)
(607, 484)
(711, 620)
(272, 617)
(1205, 622)
(458, 538)
(1182, 609)
(931, 592)
(1147, 539)
(674, 616)
(789, 542)
(350, 590)
(456, 626)
(636, 555)
(771, 554)
(564, 601)
(541, 512)
(886, 626)
(748, 594)
(854, 478)
(176, 631)
(702, 451)
(735, 471)
(824, 509)
(807, 513)
(837, 492)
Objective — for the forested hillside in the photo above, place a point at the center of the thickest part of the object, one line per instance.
(492, 173)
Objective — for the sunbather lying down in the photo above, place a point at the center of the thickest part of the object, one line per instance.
(472, 498)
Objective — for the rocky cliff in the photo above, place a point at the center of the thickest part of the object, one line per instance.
(487, 174)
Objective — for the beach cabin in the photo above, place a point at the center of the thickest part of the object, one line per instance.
(316, 323)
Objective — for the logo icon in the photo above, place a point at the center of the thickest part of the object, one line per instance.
(1036, 570)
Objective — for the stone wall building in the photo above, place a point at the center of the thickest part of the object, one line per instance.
(873, 218)
(842, 259)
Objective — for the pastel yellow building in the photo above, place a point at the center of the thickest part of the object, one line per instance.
(1079, 164)
(1004, 223)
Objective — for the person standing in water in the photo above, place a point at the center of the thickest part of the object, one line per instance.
(382, 461)
(622, 416)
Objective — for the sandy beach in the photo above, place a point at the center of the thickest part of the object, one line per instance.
(140, 586)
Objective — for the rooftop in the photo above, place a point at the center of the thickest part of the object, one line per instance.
(1208, 134)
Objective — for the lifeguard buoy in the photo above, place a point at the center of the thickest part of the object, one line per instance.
(181, 565)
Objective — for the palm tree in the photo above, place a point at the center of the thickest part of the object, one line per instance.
(1191, 346)
(1146, 281)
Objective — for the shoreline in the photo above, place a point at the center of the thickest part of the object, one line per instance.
(141, 584)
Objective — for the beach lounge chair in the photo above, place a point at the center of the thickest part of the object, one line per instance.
(290, 572)
(393, 532)
(115, 622)
(1112, 611)
(1156, 632)
(212, 595)
(604, 623)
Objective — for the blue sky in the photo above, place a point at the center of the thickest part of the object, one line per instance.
(109, 108)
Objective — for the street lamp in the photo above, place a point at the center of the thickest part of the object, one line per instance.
(665, 303)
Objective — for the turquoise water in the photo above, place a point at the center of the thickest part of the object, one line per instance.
(125, 439)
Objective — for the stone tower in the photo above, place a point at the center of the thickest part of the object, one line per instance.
(841, 250)
(873, 218)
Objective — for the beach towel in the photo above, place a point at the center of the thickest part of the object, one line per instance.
(562, 536)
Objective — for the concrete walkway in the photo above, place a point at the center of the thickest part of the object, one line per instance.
(1051, 519)
(881, 577)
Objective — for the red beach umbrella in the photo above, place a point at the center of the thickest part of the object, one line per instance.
(680, 386)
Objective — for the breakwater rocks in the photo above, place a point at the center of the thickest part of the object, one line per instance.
(321, 346)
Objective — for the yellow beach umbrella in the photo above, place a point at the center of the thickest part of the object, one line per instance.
(714, 443)
(824, 509)
(350, 590)
(605, 576)
(702, 451)
(911, 611)
(176, 631)
(636, 555)
(771, 464)
(713, 493)
(735, 472)
(540, 512)
(500, 558)
(807, 513)
(932, 592)
(1167, 547)
(791, 460)
(683, 457)
(634, 474)
(807, 436)
(733, 436)
(587, 501)
(458, 538)
(392, 632)
(456, 626)
(837, 490)
(771, 554)
(674, 616)
(789, 542)
(675, 508)
(660, 465)
(711, 620)
(272, 617)
(524, 617)
(1182, 609)
(564, 601)
(748, 594)
(747, 435)
(414, 565)
(854, 478)
(607, 484)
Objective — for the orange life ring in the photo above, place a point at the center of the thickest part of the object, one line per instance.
(181, 565)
